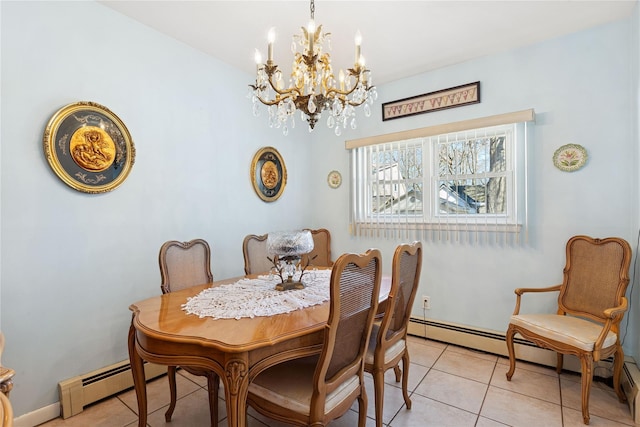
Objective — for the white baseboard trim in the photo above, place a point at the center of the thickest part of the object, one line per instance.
(38, 416)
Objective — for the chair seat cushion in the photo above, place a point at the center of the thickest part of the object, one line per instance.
(579, 333)
(390, 353)
(290, 385)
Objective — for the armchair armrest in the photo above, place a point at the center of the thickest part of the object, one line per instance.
(614, 312)
(520, 291)
(612, 315)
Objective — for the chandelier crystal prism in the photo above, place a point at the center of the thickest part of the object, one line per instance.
(313, 86)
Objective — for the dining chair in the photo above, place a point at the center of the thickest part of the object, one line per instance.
(182, 265)
(320, 256)
(591, 304)
(254, 250)
(316, 389)
(388, 342)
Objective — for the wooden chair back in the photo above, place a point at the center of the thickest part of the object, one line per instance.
(184, 264)
(406, 268)
(354, 290)
(596, 276)
(320, 256)
(254, 250)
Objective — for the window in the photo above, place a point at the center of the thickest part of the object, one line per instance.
(469, 180)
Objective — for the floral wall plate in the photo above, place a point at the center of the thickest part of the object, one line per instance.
(570, 157)
(334, 179)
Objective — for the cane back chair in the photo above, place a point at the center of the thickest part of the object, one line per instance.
(254, 250)
(314, 390)
(591, 305)
(182, 265)
(388, 342)
(320, 256)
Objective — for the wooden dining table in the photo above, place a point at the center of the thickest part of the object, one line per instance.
(235, 349)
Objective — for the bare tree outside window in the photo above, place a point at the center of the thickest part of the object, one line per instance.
(472, 176)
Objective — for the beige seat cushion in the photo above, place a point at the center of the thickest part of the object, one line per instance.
(573, 331)
(289, 385)
(389, 354)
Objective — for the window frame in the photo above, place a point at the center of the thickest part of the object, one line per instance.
(514, 220)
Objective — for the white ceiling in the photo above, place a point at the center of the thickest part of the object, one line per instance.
(400, 38)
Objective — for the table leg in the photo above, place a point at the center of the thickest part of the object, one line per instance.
(236, 385)
(139, 383)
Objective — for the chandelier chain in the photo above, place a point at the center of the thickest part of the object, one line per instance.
(312, 6)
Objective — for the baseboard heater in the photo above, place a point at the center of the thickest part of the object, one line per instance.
(495, 343)
(80, 391)
(631, 386)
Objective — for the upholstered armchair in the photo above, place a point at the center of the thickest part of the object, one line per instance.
(591, 304)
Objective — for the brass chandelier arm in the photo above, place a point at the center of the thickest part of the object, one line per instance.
(332, 91)
(293, 92)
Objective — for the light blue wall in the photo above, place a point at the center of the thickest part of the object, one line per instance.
(72, 263)
(581, 87)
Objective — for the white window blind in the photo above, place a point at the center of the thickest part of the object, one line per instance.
(467, 184)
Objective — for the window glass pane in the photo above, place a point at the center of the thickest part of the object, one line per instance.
(472, 156)
(473, 196)
(409, 202)
(397, 180)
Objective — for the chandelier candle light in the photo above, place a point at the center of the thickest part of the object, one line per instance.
(286, 249)
(313, 87)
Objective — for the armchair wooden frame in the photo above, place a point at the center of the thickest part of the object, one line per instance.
(388, 343)
(591, 305)
(182, 265)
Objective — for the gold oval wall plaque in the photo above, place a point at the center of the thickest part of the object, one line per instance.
(268, 174)
(88, 147)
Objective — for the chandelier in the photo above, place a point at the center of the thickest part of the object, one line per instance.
(312, 87)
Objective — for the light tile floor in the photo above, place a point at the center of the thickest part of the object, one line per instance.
(449, 386)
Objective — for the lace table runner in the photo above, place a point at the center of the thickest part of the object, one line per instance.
(258, 297)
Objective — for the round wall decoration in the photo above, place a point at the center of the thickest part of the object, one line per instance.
(89, 147)
(334, 179)
(268, 174)
(570, 157)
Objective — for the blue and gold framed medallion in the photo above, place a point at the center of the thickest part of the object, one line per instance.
(88, 147)
(268, 174)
